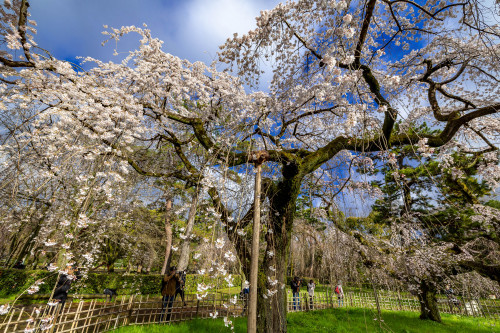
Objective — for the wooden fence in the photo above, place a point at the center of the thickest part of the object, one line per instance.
(101, 316)
(390, 300)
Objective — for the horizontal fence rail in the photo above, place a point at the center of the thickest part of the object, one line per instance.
(102, 316)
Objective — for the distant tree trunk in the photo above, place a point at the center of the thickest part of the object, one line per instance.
(186, 243)
(28, 242)
(168, 233)
(313, 250)
(375, 294)
(300, 271)
(428, 303)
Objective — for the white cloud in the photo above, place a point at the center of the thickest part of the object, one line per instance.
(191, 29)
(210, 23)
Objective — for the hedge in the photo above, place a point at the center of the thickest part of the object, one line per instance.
(15, 281)
(305, 280)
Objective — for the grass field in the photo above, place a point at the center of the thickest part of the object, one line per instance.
(338, 320)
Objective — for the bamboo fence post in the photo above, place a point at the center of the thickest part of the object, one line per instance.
(465, 307)
(486, 306)
(90, 316)
(10, 320)
(31, 315)
(99, 318)
(63, 317)
(151, 309)
(399, 302)
(57, 316)
(377, 303)
(220, 302)
(75, 320)
(110, 319)
(129, 310)
(87, 315)
(18, 319)
(106, 317)
(138, 310)
(118, 314)
(96, 318)
(191, 307)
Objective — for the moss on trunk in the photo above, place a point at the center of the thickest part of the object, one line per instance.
(428, 303)
(271, 314)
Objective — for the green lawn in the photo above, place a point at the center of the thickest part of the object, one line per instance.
(338, 320)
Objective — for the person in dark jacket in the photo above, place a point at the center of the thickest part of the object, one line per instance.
(295, 285)
(168, 292)
(180, 285)
(110, 293)
(63, 286)
(244, 295)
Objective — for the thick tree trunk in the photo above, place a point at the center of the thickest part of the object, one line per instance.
(272, 310)
(186, 243)
(168, 233)
(428, 303)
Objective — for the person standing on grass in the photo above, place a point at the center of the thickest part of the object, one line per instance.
(295, 284)
(310, 290)
(244, 295)
(340, 294)
(168, 284)
(452, 300)
(179, 287)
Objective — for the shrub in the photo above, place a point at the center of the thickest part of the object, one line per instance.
(15, 281)
(304, 278)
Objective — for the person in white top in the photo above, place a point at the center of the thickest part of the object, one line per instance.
(310, 290)
(340, 294)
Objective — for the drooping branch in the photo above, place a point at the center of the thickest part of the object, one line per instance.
(364, 31)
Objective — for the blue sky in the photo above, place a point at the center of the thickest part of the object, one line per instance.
(191, 29)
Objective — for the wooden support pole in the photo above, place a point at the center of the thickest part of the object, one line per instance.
(259, 158)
